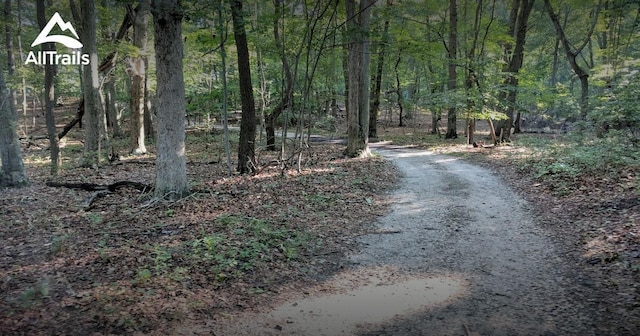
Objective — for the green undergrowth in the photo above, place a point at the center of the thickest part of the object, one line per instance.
(572, 161)
(236, 245)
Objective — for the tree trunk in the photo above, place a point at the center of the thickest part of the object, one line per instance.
(287, 93)
(522, 10)
(138, 78)
(111, 111)
(377, 84)
(24, 78)
(12, 172)
(365, 80)
(95, 125)
(49, 94)
(11, 65)
(358, 66)
(573, 54)
(171, 165)
(399, 92)
(452, 131)
(246, 147)
(149, 131)
(345, 70)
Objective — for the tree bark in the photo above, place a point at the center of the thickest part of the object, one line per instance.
(24, 79)
(12, 172)
(95, 130)
(518, 29)
(452, 131)
(11, 65)
(399, 92)
(138, 78)
(377, 84)
(110, 110)
(246, 147)
(358, 66)
(49, 95)
(287, 94)
(171, 165)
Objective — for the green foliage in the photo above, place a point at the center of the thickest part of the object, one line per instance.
(35, 294)
(143, 276)
(242, 244)
(620, 108)
(94, 218)
(567, 160)
(59, 244)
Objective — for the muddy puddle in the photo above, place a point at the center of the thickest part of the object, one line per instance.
(351, 301)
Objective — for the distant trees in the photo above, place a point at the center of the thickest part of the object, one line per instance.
(459, 58)
(572, 53)
(95, 120)
(49, 94)
(138, 72)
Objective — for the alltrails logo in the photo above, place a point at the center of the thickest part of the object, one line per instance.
(52, 57)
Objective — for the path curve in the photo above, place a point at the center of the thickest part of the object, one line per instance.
(461, 244)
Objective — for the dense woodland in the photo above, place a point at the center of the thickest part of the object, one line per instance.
(516, 65)
(204, 98)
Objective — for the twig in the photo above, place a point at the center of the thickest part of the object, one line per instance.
(87, 205)
(468, 332)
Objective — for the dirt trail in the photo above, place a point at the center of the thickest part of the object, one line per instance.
(457, 255)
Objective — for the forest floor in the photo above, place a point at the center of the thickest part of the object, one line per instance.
(124, 263)
(461, 253)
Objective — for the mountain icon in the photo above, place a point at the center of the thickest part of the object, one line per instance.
(68, 41)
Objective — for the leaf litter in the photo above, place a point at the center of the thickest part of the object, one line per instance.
(132, 264)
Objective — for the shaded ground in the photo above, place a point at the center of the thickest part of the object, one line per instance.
(455, 224)
(129, 264)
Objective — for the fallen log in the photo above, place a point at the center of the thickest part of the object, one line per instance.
(96, 187)
(77, 119)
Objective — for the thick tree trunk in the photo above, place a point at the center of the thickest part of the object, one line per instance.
(49, 95)
(171, 165)
(138, 78)
(452, 131)
(95, 129)
(12, 172)
(246, 147)
(358, 65)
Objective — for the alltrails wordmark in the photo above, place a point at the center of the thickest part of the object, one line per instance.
(52, 57)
